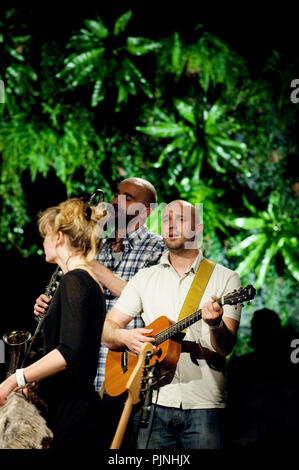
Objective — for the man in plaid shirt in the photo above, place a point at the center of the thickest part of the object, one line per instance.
(132, 249)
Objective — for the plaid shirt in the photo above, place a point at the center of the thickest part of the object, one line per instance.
(141, 249)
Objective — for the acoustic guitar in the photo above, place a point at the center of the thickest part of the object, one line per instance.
(136, 386)
(168, 335)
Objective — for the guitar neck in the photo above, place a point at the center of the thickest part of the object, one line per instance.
(233, 298)
(177, 327)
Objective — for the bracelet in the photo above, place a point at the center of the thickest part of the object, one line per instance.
(20, 378)
(215, 327)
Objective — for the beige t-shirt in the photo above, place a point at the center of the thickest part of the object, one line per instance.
(159, 290)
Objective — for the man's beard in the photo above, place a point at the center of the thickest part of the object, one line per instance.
(174, 244)
(178, 243)
(122, 221)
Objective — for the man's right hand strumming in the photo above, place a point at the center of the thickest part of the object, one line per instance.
(41, 305)
(116, 335)
(135, 337)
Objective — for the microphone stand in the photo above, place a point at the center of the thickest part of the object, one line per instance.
(146, 408)
(153, 379)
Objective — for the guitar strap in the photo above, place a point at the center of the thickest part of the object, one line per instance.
(197, 288)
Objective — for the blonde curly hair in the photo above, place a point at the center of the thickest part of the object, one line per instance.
(69, 217)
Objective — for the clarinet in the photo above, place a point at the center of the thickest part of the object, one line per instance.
(52, 286)
(49, 291)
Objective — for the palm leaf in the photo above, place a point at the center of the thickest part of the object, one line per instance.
(254, 239)
(249, 206)
(252, 258)
(80, 60)
(141, 81)
(141, 46)
(177, 143)
(98, 28)
(97, 96)
(231, 157)
(214, 113)
(248, 223)
(213, 156)
(241, 146)
(162, 130)
(122, 22)
(290, 255)
(80, 76)
(186, 111)
(265, 264)
(204, 75)
(176, 55)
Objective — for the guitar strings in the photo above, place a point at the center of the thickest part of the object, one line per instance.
(185, 322)
(182, 324)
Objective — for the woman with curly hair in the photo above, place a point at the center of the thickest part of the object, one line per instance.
(72, 328)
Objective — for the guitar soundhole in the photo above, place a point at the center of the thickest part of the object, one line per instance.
(124, 361)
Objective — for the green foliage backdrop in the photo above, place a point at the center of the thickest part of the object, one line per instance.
(182, 110)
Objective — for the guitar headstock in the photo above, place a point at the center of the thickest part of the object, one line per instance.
(239, 296)
(135, 381)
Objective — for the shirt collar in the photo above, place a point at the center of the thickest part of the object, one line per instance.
(164, 260)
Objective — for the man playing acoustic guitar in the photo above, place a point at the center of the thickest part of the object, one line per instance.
(186, 413)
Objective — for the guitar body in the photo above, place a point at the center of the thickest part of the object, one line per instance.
(120, 363)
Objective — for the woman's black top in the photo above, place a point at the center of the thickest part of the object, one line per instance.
(73, 325)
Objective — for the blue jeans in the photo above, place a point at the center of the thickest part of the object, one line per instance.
(174, 428)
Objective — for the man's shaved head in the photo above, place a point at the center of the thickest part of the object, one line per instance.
(149, 192)
(132, 203)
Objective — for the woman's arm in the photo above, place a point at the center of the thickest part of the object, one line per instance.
(49, 365)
